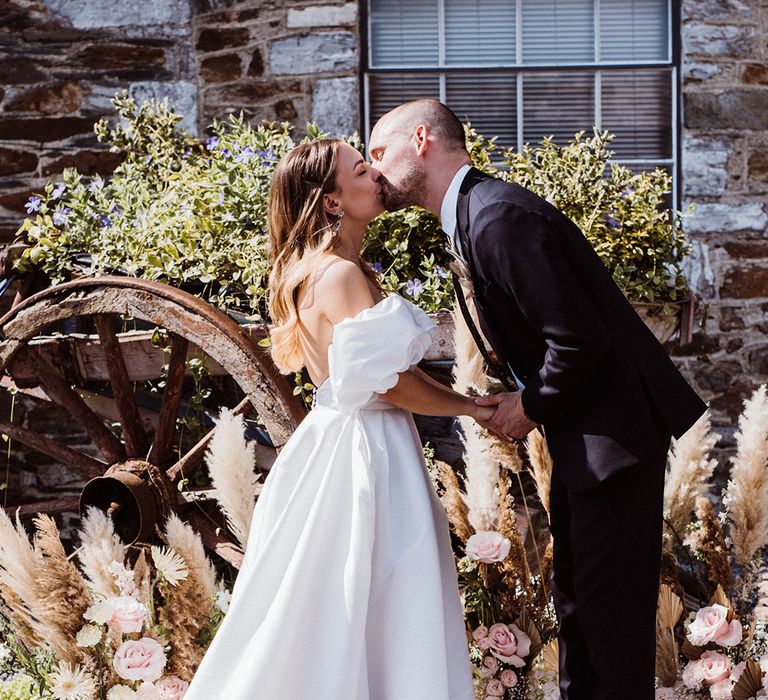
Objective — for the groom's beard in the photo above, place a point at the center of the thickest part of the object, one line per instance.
(409, 191)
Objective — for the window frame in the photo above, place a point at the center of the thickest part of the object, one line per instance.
(597, 67)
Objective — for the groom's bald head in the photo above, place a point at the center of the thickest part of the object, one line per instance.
(439, 119)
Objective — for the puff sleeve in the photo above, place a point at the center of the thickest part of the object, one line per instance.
(370, 349)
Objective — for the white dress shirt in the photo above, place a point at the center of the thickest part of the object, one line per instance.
(448, 207)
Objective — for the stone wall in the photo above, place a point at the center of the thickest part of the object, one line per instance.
(62, 60)
(725, 177)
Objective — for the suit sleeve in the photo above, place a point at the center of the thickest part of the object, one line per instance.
(521, 253)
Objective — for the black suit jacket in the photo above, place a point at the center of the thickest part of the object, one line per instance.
(595, 376)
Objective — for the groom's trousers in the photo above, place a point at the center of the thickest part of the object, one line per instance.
(605, 582)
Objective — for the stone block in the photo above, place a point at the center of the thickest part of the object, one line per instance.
(758, 360)
(256, 66)
(323, 16)
(729, 40)
(221, 68)
(754, 74)
(314, 53)
(717, 377)
(58, 98)
(21, 71)
(745, 283)
(757, 166)
(251, 93)
(13, 161)
(334, 105)
(710, 217)
(217, 39)
(699, 72)
(697, 268)
(96, 14)
(181, 94)
(113, 56)
(87, 162)
(715, 9)
(285, 110)
(746, 249)
(44, 129)
(740, 108)
(705, 162)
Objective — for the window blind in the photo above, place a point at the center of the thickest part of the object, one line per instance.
(480, 32)
(404, 33)
(558, 31)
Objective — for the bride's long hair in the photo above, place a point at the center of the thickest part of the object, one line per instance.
(300, 232)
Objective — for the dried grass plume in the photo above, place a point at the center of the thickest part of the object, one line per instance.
(99, 547)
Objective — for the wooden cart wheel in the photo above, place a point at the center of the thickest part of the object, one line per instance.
(134, 478)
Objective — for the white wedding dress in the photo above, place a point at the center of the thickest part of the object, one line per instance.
(348, 590)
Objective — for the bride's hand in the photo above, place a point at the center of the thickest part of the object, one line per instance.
(482, 414)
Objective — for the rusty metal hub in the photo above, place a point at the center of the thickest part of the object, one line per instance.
(135, 494)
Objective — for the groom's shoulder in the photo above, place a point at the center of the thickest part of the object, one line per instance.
(495, 191)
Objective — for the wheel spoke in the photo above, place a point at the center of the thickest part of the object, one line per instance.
(85, 465)
(162, 444)
(56, 505)
(195, 455)
(136, 441)
(217, 543)
(60, 391)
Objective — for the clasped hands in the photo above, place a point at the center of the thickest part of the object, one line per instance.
(508, 419)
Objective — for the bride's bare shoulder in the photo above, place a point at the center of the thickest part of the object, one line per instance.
(341, 288)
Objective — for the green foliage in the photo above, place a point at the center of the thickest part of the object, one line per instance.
(193, 214)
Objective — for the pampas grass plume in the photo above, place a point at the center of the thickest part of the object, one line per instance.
(231, 465)
(688, 476)
(746, 496)
(541, 465)
(99, 547)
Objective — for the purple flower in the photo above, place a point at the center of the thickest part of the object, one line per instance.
(377, 267)
(612, 223)
(267, 156)
(95, 184)
(221, 198)
(33, 204)
(442, 272)
(104, 220)
(627, 193)
(58, 191)
(60, 217)
(186, 154)
(212, 142)
(244, 155)
(116, 209)
(226, 152)
(413, 288)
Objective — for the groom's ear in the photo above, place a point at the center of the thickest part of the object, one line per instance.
(421, 139)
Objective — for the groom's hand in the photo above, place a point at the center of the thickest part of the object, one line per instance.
(509, 421)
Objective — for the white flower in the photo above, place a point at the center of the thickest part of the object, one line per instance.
(99, 613)
(170, 565)
(665, 694)
(222, 600)
(88, 636)
(121, 692)
(123, 577)
(69, 683)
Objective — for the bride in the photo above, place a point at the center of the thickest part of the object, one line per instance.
(348, 590)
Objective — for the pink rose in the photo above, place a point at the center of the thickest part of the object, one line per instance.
(484, 644)
(142, 660)
(487, 547)
(509, 644)
(693, 675)
(495, 688)
(711, 625)
(479, 633)
(147, 691)
(489, 667)
(171, 688)
(722, 690)
(715, 667)
(508, 678)
(128, 614)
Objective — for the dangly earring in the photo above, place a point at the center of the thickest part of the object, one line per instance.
(337, 227)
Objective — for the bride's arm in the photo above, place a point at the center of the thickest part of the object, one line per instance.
(421, 394)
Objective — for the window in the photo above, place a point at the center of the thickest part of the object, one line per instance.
(524, 69)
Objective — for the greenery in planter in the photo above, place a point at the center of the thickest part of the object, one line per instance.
(193, 213)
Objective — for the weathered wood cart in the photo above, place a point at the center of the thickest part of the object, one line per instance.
(93, 346)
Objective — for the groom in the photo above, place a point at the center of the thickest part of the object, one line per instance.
(588, 370)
